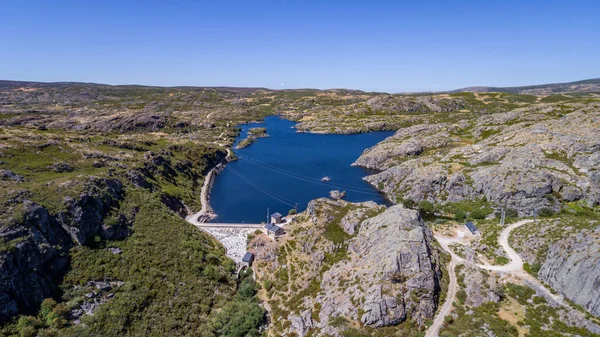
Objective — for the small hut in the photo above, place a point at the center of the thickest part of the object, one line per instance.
(273, 231)
(247, 259)
(472, 228)
(276, 218)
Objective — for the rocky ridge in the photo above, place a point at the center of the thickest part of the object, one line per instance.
(528, 159)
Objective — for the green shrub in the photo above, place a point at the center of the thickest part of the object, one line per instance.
(500, 260)
(545, 212)
(460, 216)
(512, 213)
(480, 213)
(425, 206)
(409, 203)
(532, 269)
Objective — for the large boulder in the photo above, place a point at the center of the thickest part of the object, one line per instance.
(398, 269)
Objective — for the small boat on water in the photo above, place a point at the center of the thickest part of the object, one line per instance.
(325, 178)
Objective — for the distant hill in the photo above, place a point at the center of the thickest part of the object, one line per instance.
(31, 84)
(591, 85)
(542, 89)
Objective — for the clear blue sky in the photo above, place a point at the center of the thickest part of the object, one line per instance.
(392, 46)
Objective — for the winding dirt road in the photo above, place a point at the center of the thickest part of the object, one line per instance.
(514, 267)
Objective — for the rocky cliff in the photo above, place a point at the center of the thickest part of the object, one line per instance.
(564, 253)
(35, 255)
(385, 275)
(572, 267)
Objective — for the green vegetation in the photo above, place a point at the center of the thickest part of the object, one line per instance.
(425, 206)
(258, 132)
(169, 285)
(168, 278)
(477, 209)
(539, 319)
(246, 142)
(476, 323)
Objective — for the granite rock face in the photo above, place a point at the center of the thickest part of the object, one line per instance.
(398, 268)
(527, 158)
(572, 267)
(38, 243)
(385, 272)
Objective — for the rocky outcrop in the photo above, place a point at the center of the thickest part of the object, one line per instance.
(30, 269)
(572, 267)
(36, 243)
(479, 286)
(398, 269)
(381, 272)
(174, 204)
(526, 158)
(84, 218)
(336, 195)
(11, 176)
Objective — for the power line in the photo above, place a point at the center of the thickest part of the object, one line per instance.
(261, 189)
(310, 180)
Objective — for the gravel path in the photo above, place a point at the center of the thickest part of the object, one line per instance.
(515, 267)
(445, 309)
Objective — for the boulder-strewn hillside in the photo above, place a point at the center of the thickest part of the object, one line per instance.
(564, 252)
(93, 178)
(91, 187)
(529, 158)
(322, 280)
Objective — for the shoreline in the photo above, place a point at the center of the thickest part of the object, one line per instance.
(206, 213)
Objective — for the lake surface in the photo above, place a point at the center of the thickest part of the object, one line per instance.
(286, 169)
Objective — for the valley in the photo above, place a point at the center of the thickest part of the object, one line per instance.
(96, 183)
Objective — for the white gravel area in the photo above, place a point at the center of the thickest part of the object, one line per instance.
(233, 239)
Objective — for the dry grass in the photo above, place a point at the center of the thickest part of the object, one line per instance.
(513, 312)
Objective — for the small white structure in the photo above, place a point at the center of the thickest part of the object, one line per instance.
(276, 218)
(274, 231)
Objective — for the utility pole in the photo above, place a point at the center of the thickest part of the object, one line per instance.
(267, 215)
(296, 207)
(534, 214)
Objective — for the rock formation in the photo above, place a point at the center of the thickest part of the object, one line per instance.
(37, 258)
(385, 272)
(572, 267)
(526, 158)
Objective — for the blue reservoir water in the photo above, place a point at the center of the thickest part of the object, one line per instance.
(286, 168)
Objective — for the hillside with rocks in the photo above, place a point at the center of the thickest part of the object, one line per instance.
(347, 267)
(529, 158)
(93, 178)
(564, 253)
(543, 89)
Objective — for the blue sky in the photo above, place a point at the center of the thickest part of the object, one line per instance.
(392, 46)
